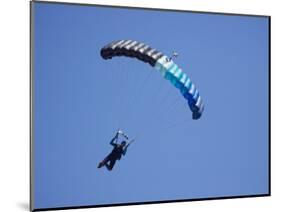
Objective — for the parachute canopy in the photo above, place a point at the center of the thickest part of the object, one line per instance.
(163, 64)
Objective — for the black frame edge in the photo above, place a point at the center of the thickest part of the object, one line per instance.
(269, 106)
(151, 202)
(31, 37)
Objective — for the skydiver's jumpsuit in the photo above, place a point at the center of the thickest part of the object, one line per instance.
(115, 154)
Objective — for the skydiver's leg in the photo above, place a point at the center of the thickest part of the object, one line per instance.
(102, 163)
(111, 164)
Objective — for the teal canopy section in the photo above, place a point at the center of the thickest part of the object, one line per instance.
(180, 80)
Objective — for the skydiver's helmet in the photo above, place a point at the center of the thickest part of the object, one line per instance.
(123, 143)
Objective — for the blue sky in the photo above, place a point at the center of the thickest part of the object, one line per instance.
(80, 100)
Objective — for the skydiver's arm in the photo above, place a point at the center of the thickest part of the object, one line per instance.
(114, 139)
(125, 149)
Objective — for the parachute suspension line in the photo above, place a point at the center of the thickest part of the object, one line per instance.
(124, 76)
(168, 123)
(171, 126)
(138, 135)
(126, 99)
(118, 91)
(172, 123)
(173, 104)
(139, 91)
(169, 103)
(167, 119)
(157, 93)
(123, 99)
(164, 99)
(109, 74)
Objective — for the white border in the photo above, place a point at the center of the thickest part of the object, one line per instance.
(14, 109)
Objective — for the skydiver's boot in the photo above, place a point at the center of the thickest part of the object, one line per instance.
(101, 164)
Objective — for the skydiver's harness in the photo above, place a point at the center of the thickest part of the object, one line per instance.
(119, 132)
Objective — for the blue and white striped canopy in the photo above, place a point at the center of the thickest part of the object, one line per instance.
(163, 64)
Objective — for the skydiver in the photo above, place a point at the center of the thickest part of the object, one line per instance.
(117, 152)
